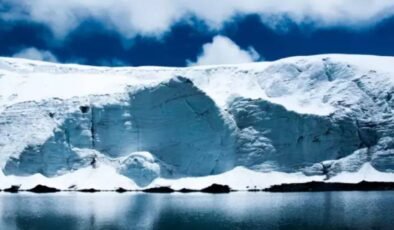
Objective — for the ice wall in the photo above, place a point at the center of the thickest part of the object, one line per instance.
(316, 115)
(175, 121)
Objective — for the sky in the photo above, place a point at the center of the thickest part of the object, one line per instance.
(187, 33)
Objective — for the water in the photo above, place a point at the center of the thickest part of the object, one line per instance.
(328, 210)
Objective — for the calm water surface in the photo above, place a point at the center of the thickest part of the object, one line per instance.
(326, 210)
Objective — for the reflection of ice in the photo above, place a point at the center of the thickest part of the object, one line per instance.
(79, 210)
(96, 209)
(109, 209)
(338, 210)
(6, 211)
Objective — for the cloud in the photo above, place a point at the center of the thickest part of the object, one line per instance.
(36, 54)
(155, 17)
(224, 51)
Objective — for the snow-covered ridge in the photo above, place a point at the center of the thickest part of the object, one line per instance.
(304, 118)
(20, 79)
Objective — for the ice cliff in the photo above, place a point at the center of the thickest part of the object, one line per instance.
(316, 117)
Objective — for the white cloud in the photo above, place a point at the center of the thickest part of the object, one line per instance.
(153, 17)
(35, 54)
(224, 51)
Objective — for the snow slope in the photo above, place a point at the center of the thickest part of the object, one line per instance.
(295, 119)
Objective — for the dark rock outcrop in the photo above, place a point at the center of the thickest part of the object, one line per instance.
(12, 189)
(89, 190)
(217, 188)
(120, 190)
(159, 190)
(187, 190)
(43, 189)
(316, 186)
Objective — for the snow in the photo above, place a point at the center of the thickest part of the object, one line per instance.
(366, 173)
(142, 167)
(362, 62)
(105, 177)
(238, 178)
(20, 79)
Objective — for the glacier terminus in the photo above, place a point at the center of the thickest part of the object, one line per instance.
(299, 119)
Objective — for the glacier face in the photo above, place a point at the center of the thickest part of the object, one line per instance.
(318, 115)
(174, 120)
(270, 133)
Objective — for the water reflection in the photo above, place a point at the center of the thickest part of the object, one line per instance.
(332, 210)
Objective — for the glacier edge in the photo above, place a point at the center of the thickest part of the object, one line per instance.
(314, 118)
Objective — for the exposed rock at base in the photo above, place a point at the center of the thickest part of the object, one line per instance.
(216, 188)
(43, 189)
(89, 190)
(121, 190)
(316, 186)
(12, 189)
(159, 190)
(186, 190)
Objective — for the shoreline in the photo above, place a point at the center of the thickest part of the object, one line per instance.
(313, 186)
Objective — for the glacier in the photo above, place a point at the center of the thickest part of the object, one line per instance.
(323, 117)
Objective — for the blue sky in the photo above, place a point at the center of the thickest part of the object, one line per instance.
(181, 32)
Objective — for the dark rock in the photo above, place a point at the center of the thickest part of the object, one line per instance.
(12, 189)
(43, 189)
(216, 188)
(254, 190)
(120, 190)
(186, 190)
(71, 187)
(88, 190)
(159, 190)
(316, 186)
